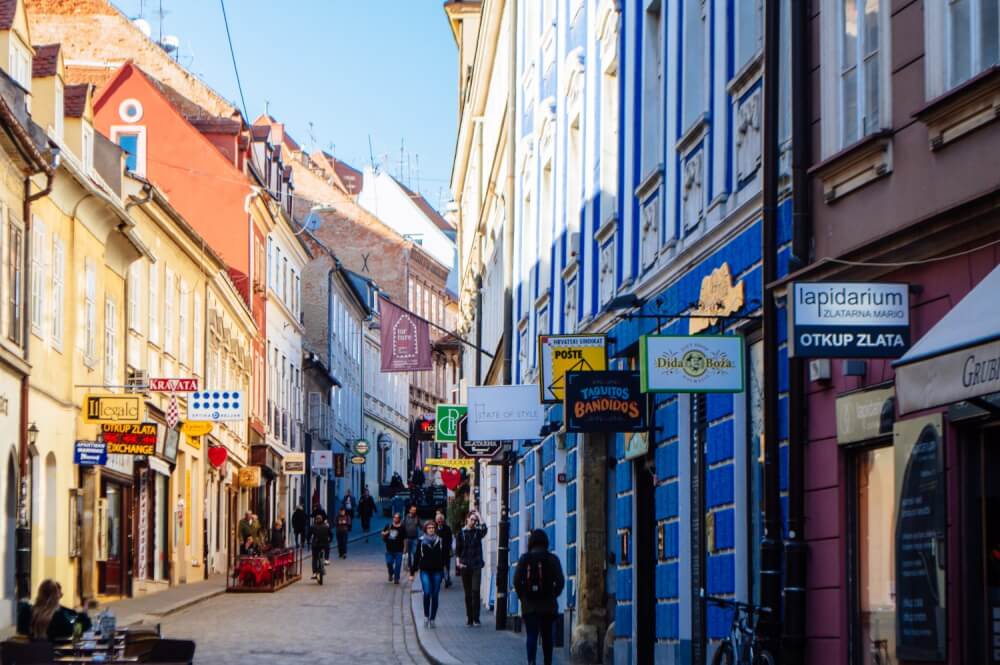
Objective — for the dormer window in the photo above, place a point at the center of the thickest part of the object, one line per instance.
(20, 64)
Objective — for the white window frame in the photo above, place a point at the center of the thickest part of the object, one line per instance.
(132, 290)
(154, 304)
(140, 150)
(38, 246)
(90, 311)
(59, 125)
(183, 335)
(110, 341)
(694, 87)
(19, 63)
(87, 147)
(198, 364)
(169, 301)
(938, 18)
(831, 45)
(58, 291)
(749, 31)
(652, 87)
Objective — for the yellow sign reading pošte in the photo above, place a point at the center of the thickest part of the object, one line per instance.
(559, 354)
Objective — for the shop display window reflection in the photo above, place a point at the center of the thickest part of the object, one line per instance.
(876, 578)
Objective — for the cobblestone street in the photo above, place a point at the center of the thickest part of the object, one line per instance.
(355, 617)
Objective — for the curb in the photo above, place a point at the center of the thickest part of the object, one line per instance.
(134, 619)
(431, 648)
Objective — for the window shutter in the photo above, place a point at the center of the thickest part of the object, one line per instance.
(315, 411)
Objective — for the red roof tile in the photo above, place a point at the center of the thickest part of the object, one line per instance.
(46, 61)
(8, 10)
(75, 99)
(213, 125)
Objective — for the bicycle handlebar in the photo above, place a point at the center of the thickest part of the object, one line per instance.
(726, 602)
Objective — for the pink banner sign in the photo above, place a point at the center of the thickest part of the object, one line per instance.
(406, 340)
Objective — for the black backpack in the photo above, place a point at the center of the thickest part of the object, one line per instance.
(537, 586)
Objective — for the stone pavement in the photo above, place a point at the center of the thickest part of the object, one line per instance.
(451, 642)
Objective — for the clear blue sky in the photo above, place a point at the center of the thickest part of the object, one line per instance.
(352, 68)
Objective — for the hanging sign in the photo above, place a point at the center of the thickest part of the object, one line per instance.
(216, 406)
(339, 465)
(322, 459)
(217, 456)
(475, 449)
(451, 463)
(848, 320)
(446, 421)
(294, 464)
(559, 354)
(90, 453)
(196, 428)
(139, 439)
(361, 447)
(505, 413)
(865, 415)
(249, 476)
(691, 364)
(170, 444)
(99, 409)
(173, 385)
(423, 428)
(604, 402)
(358, 459)
(406, 339)
(636, 444)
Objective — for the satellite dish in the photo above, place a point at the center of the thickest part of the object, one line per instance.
(143, 25)
(313, 222)
(170, 43)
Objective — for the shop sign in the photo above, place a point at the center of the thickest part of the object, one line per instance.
(604, 402)
(921, 633)
(720, 296)
(217, 456)
(691, 364)
(173, 385)
(139, 439)
(216, 406)
(406, 339)
(358, 459)
(193, 441)
(249, 476)
(98, 409)
(865, 415)
(338, 465)
(950, 377)
(322, 459)
(636, 444)
(122, 464)
(361, 447)
(90, 453)
(451, 463)
(424, 427)
(559, 354)
(159, 466)
(196, 428)
(446, 421)
(504, 413)
(294, 464)
(848, 320)
(476, 449)
(170, 443)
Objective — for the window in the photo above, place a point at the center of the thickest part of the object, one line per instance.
(133, 142)
(693, 72)
(284, 280)
(154, 303)
(133, 288)
(972, 36)
(60, 108)
(15, 268)
(270, 261)
(169, 296)
(20, 63)
(858, 32)
(90, 311)
(298, 296)
(199, 337)
(652, 74)
(87, 147)
(183, 349)
(609, 145)
(750, 30)
(110, 342)
(38, 246)
(58, 289)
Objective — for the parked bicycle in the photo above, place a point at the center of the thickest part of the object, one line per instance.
(741, 646)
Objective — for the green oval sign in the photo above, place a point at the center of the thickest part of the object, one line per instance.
(361, 447)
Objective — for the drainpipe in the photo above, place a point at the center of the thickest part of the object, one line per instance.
(796, 550)
(770, 545)
(22, 534)
(503, 530)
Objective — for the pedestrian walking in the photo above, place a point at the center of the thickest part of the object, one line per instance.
(366, 508)
(469, 563)
(394, 537)
(411, 529)
(444, 532)
(348, 504)
(299, 525)
(343, 526)
(320, 544)
(430, 560)
(278, 534)
(538, 581)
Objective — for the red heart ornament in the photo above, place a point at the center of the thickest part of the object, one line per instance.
(451, 478)
(217, 456)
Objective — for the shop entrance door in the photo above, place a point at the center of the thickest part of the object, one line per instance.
(645, 562)
(116, 527)
(984, 627)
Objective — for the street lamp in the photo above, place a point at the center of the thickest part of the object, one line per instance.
(32, 434)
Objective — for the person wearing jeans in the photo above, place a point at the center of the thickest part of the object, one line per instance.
(469, 563)
(411, 529)
(538, 581)
(392, 535)
(444, 532)
(430, 560)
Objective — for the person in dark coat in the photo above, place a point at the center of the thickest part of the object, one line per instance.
(411, 529)
(320, 543)
(366, 508)
(350, 506)
(469, 564)
(343, 526)
(394, 539)
(430, 561)
(47, 619)
(444, 532)
(278, 534)
(299, 525)
(538, 581)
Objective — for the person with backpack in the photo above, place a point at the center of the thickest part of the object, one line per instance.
(538, 581)
(430, 561)
(469, 564)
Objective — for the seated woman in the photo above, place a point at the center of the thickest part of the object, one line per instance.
(249, 548)
(47, 619)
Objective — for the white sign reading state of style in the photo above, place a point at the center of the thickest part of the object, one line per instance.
(505, 412)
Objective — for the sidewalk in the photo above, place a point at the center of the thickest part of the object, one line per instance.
(451, 642)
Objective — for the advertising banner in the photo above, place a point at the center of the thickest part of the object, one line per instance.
(90, 453)
(505, 412)
(137, 439)
(484, 449)
(559, 354)
(921, 630)
(691, 364)
(294, 464)
(605, 402)
(216, 406)
(848, 320)
(406, 339)
(249, 476)
(99, 409)
(446, 421)
(322, 460)
(338, 465)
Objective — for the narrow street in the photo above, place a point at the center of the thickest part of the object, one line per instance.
(355, 617)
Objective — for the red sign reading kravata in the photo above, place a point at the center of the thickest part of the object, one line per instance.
(406, 340)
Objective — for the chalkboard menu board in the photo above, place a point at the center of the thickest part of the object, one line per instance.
(605, 402)
(920, 540)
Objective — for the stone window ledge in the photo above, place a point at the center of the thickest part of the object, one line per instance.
(963, 109)
(855, 166)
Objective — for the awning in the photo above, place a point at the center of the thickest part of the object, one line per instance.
(959, 358)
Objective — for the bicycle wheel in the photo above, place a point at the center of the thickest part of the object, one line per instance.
(724, 655)
(763, 657)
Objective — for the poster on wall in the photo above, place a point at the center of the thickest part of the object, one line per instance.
(605, 402)
(559, 354)
(505, 412)
(920, 539)
(691, 364)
